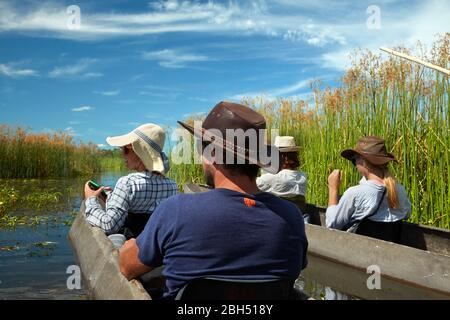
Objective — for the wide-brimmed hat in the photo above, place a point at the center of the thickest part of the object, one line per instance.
(232, 116)
(371, 148)
(147, 142)
(286, 144)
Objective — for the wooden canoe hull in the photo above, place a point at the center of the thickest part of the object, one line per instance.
(99, 263)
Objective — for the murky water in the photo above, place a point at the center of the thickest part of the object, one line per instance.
(34, 260)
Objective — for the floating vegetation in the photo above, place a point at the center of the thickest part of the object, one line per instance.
(33, 249)
(8, 198)
(12, 222)
(10, 247)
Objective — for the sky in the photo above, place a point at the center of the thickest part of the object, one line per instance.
(101, 68)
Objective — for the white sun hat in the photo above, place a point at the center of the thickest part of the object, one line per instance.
(286, 144)
(147, 141)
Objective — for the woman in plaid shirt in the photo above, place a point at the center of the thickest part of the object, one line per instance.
(136, 195)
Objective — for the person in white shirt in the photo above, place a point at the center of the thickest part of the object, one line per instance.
(289, 183)
(378, 204)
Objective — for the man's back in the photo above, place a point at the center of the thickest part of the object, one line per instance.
(224, 233)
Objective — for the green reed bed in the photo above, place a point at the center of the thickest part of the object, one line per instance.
(403, 102)
(24, 154)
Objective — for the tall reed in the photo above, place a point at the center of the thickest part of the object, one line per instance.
(28, 155)
(403, 102)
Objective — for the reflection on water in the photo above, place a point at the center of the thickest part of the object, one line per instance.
(34, 260)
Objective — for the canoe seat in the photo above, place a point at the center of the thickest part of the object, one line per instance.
(213, 288)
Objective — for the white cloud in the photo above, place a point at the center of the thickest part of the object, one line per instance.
(10, 70)
(78, 69)
(101, 145)
(71, 131)
(82, 108)
(108, 93)
(170, 58)
(285, 91)
(164, 17)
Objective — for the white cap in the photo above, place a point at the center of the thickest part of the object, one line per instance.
(286, 144)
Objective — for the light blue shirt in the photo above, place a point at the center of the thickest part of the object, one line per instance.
(360, 201)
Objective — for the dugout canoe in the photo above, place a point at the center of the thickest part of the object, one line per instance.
(336, 259)
(418, 268)
(99, 264)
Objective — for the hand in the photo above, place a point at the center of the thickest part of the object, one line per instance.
(334, 180)
(88, 192)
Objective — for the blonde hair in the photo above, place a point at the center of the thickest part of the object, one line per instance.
(389, 182)
(391, 188)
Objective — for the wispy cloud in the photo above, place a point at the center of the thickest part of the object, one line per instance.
(11, 70)
(82, 108)
(286, 91)
(79, 69)
(333, 27)
(71, 131)
(170, 58)
(108, 93)
(253, 17)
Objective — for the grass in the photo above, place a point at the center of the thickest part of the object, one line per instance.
(27, 155)
(403, 102)
(24, 154)
(112, 161)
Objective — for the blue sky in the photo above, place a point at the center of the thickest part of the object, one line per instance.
(132, 62)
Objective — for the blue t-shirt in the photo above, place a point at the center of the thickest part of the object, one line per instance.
(224, 233)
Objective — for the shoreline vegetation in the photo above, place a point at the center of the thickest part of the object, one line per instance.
(24, 155)
(403, 102)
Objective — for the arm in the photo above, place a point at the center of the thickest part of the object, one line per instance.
(130, 264)
(334, 182)
(117, 205)
(339, 215)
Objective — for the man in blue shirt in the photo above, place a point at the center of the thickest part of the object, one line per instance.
(234, 231)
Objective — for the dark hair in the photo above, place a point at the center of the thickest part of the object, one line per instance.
(235, 168)
(249, 170)
(289, 160)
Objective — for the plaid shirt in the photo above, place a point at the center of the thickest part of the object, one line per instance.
(139, 193)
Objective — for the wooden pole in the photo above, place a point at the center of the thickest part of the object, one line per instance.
(417, 60)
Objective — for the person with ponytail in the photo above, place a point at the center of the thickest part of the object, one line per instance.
(378, 204)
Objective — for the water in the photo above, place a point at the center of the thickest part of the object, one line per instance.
(34, 260)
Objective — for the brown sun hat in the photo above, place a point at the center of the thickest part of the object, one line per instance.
(371, 148)
(229, 115)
